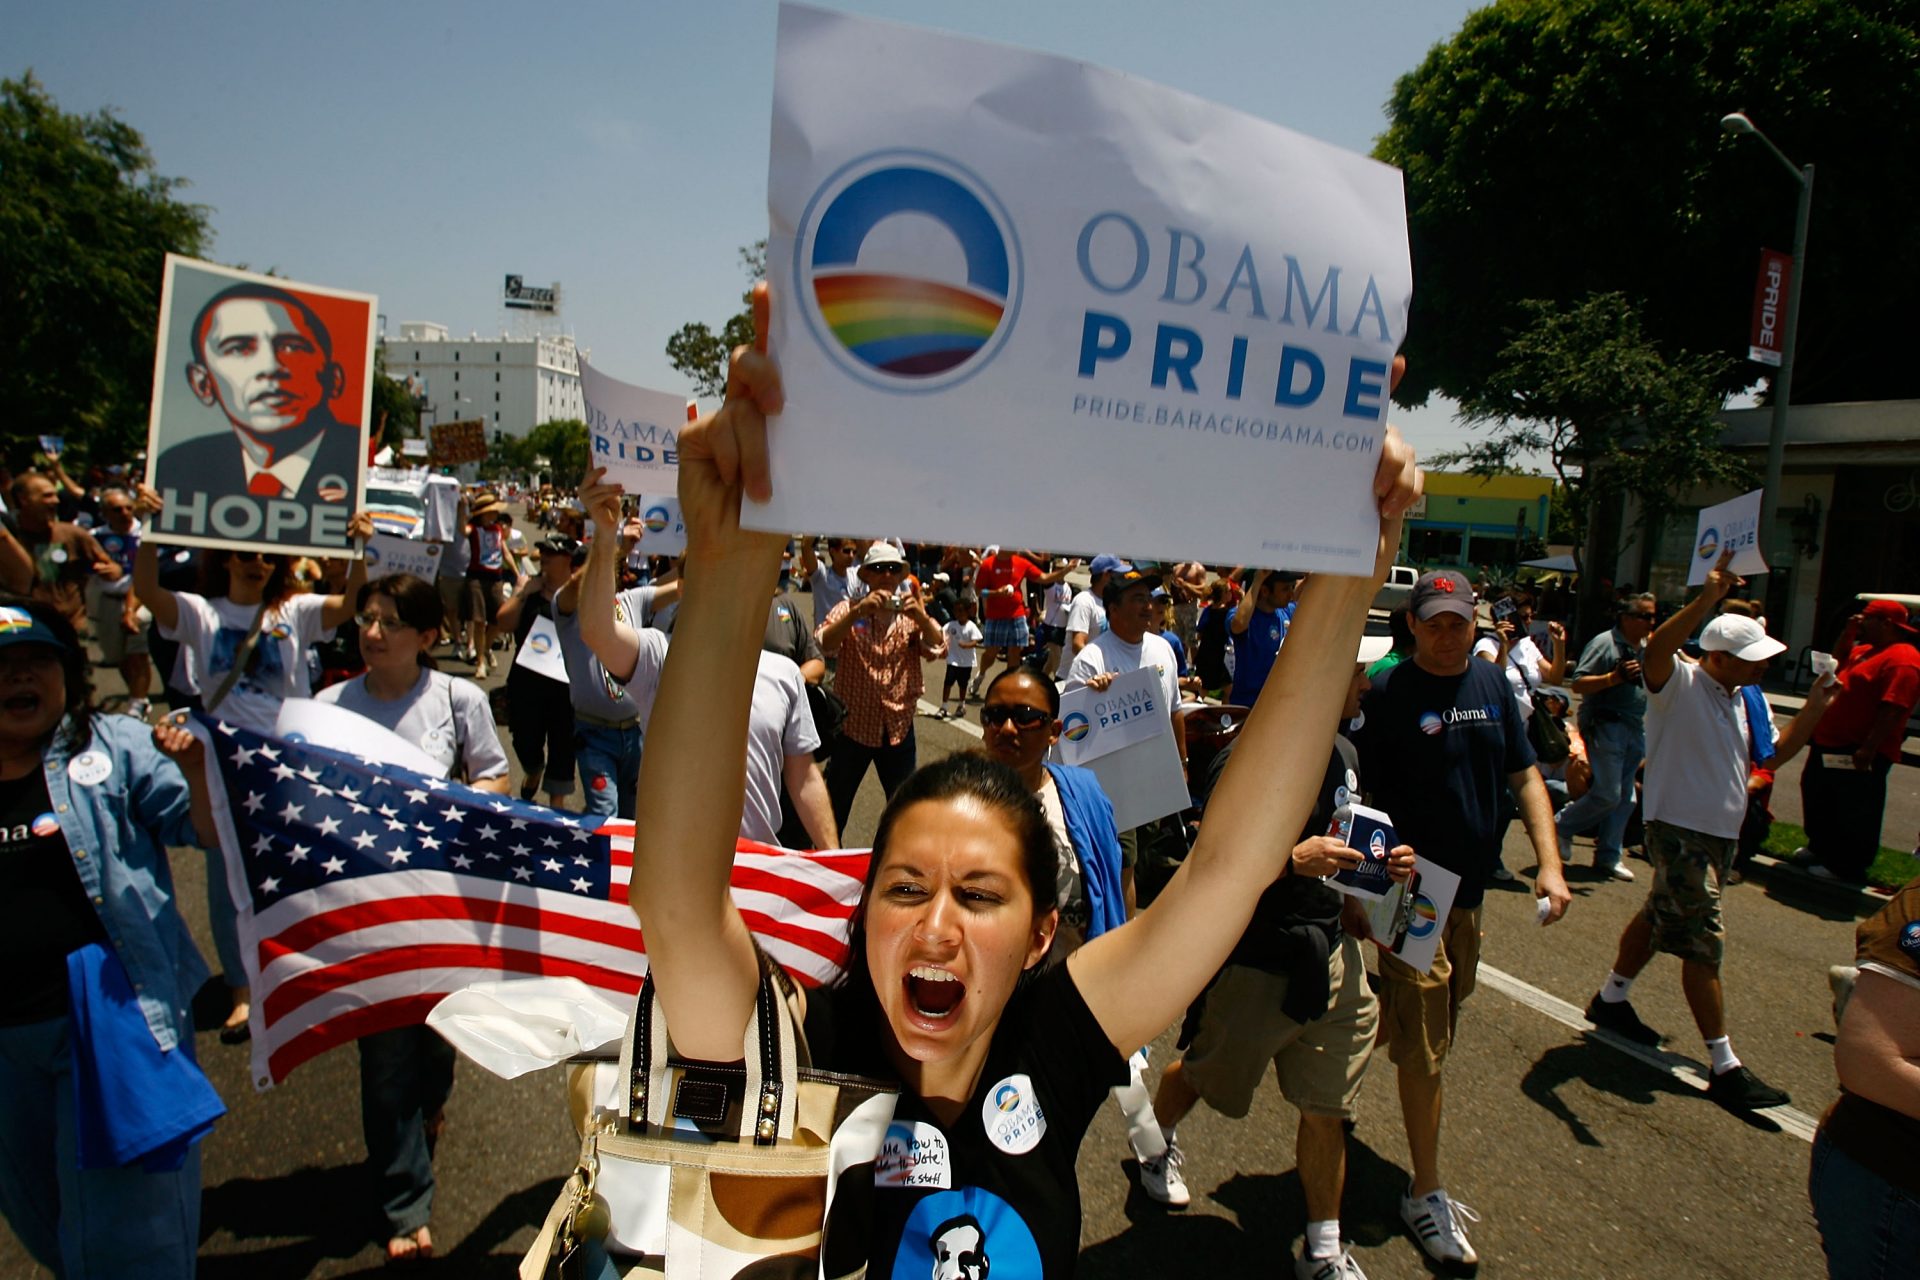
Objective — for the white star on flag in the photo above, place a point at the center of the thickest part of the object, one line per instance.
(298, 853)
(462, 861)
(291, 812)
(243, 756)
(253, 802)
(399, 855)
(283, 774)
(364, 840)
(328, 826)
(550, 864)
(270, 885)
(583, 885)
(523, 873)
(334, 866)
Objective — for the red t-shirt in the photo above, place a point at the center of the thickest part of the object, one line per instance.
(1004, 570)
(1868, 679)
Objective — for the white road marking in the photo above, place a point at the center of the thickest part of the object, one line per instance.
(965, 726)
(1792, 1120)
(1796, 1122)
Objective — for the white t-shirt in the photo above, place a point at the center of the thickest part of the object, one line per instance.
(779, 725)
(210, 633)
(1057, 603)
(1697, 758)
(1111, 653)
(1521, 667)
(1088, 615)
(445, 716)
(958, 654)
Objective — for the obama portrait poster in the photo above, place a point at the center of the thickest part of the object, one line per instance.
(261, 391)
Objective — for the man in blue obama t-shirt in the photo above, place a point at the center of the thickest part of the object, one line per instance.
(1439, 740)
(1258, 629)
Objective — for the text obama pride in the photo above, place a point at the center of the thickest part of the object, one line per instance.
(1116, 257)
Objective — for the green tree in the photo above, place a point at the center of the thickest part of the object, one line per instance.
(562, 442)
(85, 225)
(702, 354)
(395, 416)
(1586, 388)
(1557, 148)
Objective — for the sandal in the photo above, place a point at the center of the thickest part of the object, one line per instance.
(410, 1250)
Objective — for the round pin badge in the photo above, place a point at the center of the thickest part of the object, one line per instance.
(90, 768)
(1011, 1115)
(58, 555)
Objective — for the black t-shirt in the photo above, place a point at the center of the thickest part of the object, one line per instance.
(1436, 751)
(46, 911)
(998, 1187)
(1293, 900)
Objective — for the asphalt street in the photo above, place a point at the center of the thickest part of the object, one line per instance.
(1581, 1158)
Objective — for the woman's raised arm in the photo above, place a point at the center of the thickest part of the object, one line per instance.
(1137, 980)
(693, 775)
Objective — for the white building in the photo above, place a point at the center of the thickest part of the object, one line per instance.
(511, 384)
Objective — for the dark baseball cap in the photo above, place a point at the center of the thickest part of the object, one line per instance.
(557, 544)
(1118, 582)
(17, 626)
(1442, 591)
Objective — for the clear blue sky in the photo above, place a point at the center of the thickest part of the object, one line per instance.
(422, 149)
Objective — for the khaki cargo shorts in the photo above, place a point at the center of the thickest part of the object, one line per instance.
(1319, 1064)
(1419, 1011)
(1684, 907)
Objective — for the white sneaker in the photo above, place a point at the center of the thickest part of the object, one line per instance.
(1339, 1267)
(1435, 1222)
(1621, 871)
(1160, 1178)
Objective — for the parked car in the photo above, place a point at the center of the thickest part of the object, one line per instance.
(1397, 590)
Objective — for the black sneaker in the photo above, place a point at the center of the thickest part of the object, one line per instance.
(1741, 1090)
(1622, 1021)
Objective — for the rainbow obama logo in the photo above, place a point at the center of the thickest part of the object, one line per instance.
(1709, 544)
(908, 271)
(655, 519)
(1074, 727)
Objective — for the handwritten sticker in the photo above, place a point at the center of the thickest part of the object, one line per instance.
(90, 768)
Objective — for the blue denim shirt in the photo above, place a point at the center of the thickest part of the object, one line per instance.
(117, 831)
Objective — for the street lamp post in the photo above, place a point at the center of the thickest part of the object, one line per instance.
(1738, 123)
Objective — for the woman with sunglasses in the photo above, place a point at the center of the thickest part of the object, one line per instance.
(1020, 723)
(250, 604)
(406, 1074)
(1004, 1067)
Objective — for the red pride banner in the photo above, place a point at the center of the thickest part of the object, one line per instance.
(1770, 307)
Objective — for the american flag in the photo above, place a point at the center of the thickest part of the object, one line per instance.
(367, 891)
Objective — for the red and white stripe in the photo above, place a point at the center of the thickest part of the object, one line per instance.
(341, 961)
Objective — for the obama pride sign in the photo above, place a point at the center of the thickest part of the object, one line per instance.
(1014, 290)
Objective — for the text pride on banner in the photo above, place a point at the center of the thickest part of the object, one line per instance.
(1736, 524)
(367, 892)
(633, 432)
(1098, 722)
(1096, 276)
(389, 553)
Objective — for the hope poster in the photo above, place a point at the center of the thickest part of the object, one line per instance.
(257, 435)
(1019, 296)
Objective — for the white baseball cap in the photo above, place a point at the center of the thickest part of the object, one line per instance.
(883, 553)
(1374, 648)
(1742, 637)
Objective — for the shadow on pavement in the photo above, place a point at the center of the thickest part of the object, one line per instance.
(1600, 1068)
(303, 1214)
(1272, 1214)
(1815, 898)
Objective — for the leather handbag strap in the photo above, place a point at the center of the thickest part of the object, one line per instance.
(763, 1085)
(241, 657)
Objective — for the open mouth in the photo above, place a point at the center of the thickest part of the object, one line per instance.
(934, 993)
(20, 704)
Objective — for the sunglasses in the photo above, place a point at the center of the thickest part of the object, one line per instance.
(385, 622)
(888, 568)
(1022, 717)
